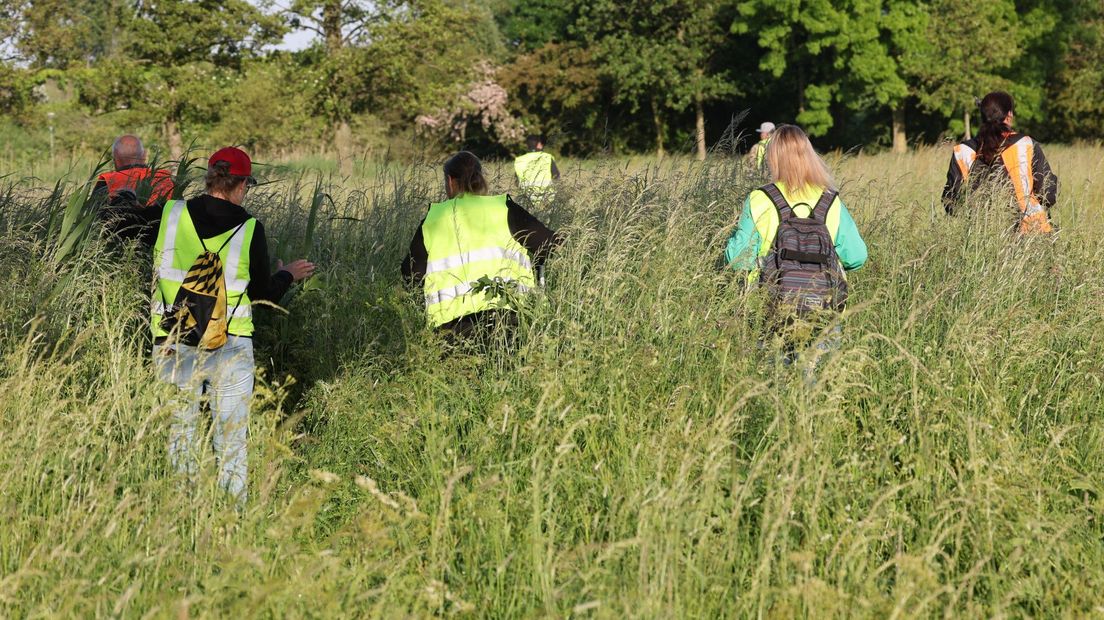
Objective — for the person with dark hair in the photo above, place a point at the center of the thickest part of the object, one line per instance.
(214, 222)
(469, 239)
(536, 171)
(1012, 157)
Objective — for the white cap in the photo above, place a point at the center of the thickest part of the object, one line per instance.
(766, 127)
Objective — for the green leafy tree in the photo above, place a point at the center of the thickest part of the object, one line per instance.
(344, 28)
(839, 52)
(964, 51)
(1076, 78)
(558, 90)
(63, 33)
(528, 25)
(177, 63)
(660, 53)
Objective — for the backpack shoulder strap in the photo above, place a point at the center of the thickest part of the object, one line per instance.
(228, 239)
(820, 211)
(785, 212)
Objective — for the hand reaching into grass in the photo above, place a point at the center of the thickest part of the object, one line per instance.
(299, 269)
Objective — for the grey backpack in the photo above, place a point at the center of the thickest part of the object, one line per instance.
(802, 271)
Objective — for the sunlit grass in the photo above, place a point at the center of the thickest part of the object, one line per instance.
(637, 456)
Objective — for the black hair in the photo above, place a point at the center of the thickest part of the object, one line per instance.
(532, 140)
(466, 169)
(994, 109)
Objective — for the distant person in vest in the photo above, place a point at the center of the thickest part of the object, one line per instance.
(536, 171)
(759, 151)
(130, 187)
(215, 222)
(469, 236)
(796, 238)
(999, 153)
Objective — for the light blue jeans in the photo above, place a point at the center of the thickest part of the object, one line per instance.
(226, 377)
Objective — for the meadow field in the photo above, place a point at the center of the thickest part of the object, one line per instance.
(637, 455)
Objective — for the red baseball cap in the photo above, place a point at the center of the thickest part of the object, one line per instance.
(240, 165)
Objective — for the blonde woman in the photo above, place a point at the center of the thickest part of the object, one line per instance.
(795, 236)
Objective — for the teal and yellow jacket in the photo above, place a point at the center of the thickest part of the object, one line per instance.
(758, 224)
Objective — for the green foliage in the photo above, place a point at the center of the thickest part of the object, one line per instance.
(596, 75)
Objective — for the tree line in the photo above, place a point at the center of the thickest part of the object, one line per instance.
(593, 76)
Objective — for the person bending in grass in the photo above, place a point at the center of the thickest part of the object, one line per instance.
(796, 238)
(214, 222)
(473, 253)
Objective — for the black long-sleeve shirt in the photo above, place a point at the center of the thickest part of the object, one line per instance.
(531, 233)
(212, 217)
(1045, 181)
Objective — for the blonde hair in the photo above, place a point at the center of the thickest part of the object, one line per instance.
(793, 161)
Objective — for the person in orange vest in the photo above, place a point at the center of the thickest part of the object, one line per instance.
(132, 173)
(132, 186)
(1012, 157)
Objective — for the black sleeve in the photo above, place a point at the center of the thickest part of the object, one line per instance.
(953, 189)
(555, 170)
(414, 265)
(263, 284)
(1046, 182)
(531, 232)
(132, 222)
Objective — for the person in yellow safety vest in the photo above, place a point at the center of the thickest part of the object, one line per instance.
(536, 171)
(999, 153)
(473, 236)
(215, 219)
(760, 149)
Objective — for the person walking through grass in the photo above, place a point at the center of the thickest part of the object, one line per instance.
(474, 253)
(796, 238)
(131, 194)
(202, 313)
(999, 154)
(759, 152)
(536, 171)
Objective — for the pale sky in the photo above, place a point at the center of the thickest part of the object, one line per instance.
(296, 40)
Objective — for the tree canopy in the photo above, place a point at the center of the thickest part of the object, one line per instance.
(595, 76)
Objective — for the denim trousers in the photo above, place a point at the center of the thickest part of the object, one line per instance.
(225, 378)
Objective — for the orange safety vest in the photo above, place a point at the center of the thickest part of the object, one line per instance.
(161, 186)
(1018, 160)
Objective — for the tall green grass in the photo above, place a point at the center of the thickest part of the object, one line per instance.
(636, 455)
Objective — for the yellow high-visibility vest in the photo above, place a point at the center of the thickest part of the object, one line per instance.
(467, 238)
(178, 245)
(534, 174)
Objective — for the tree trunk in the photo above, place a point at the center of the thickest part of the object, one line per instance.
(331, 25)
(343, 142)
(900, 139)
(966, 117)
(699, 110)
(658, 119)
(800, 88)
(172, 137)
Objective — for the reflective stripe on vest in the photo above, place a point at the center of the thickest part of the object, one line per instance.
(1018, 160)
(468, 238)
(534, 170)
(964, 157)
(178, 244)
